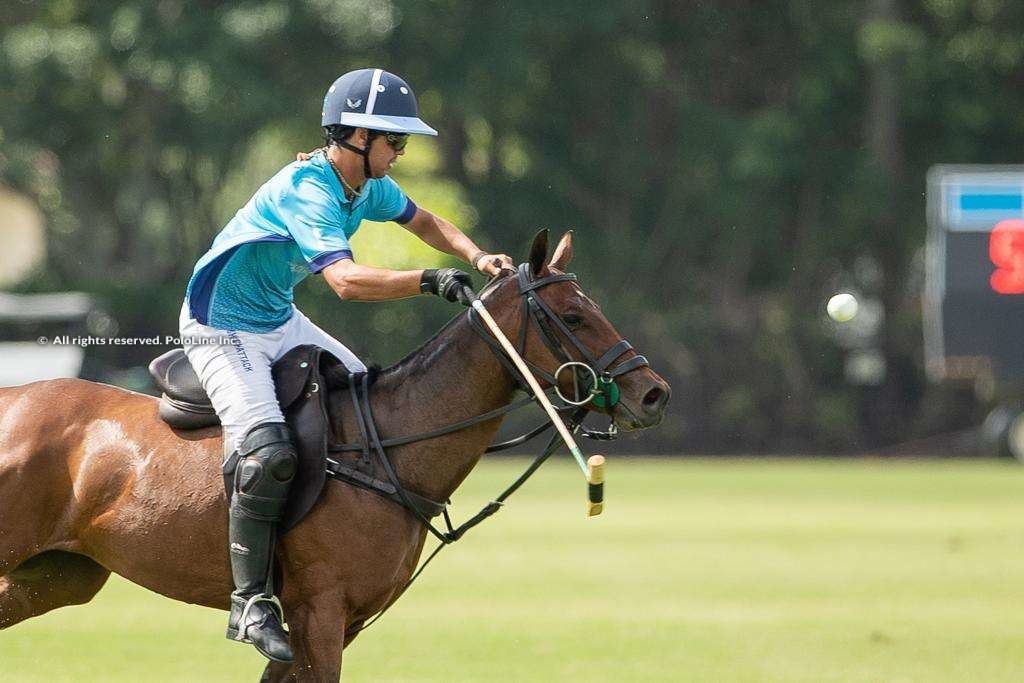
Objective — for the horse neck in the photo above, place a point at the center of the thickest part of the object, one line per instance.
(453, 377)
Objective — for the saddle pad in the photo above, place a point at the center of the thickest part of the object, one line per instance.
(302, 394)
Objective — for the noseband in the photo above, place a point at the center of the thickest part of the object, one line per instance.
(592, 372)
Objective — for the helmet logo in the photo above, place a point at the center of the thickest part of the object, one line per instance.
(353, 104)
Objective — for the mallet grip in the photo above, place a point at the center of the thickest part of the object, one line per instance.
(595, 485)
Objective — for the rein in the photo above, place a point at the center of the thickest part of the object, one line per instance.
(602, 391)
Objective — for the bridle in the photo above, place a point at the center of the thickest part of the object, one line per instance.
(602, 388)
(593, 373)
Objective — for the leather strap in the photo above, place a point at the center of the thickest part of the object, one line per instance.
(402, 440)
(353, 476)
(367, 417)
(611, 354)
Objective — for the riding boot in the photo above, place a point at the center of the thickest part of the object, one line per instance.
(263, 475)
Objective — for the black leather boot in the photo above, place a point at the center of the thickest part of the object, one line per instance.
(263, 475)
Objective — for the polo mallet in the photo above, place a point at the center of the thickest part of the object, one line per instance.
(593, 469)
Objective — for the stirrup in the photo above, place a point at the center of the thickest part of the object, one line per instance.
(243, 627)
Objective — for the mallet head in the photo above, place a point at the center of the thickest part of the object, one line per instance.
(595, 482)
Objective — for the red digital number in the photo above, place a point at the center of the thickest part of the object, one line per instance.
(1006, 249)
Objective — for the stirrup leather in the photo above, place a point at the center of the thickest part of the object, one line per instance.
(243, 627)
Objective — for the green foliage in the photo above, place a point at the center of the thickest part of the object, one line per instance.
(724, 165)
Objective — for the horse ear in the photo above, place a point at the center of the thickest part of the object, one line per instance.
(539, 252)
(563, 252)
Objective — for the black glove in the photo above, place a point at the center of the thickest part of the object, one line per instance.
(449, 283)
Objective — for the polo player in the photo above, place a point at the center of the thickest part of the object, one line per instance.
(238, 316)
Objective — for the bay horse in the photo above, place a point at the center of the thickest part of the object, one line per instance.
(93, 482)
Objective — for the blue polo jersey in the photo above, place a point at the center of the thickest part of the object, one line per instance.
(299, 222)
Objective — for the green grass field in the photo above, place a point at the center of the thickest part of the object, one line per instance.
(733, 570)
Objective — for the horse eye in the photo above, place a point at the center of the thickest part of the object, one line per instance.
(572, 320)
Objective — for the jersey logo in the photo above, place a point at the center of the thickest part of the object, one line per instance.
(353, 105)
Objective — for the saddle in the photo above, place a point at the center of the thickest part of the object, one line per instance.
(302, 378)
(301, 393)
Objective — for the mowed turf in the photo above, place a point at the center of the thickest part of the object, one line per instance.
(699, 570)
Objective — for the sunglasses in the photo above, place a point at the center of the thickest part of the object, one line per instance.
(397, 141)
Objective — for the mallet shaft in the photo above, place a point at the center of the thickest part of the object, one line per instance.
(541, 397)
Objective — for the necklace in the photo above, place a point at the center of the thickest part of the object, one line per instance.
(348, 188)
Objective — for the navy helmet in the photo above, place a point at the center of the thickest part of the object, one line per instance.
(374, 99)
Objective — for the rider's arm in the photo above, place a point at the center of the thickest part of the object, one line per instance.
(356, 282)
(441, 235)
(444, 236)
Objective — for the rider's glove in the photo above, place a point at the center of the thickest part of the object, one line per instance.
(448, 283)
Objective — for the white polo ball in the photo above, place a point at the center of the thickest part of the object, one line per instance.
(842, 307)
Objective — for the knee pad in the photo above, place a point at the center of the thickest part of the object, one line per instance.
(267, 465)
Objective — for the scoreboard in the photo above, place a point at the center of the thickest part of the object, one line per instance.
(974, 273)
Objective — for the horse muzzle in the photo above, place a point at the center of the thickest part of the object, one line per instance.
(643, 405)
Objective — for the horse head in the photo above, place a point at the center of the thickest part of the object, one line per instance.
(567, 340)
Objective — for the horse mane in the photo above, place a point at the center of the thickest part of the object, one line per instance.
(411, 358)
(337, 374)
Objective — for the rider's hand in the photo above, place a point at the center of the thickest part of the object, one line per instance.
(448, 283)
(492, 264)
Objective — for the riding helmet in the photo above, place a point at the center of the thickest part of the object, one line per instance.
(374, 99)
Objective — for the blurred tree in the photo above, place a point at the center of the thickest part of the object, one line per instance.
(726, 166)
(141, 127)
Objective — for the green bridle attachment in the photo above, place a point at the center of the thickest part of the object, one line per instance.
(601, 389)
(606, 393)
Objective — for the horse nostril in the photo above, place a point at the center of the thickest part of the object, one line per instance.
(654, 398)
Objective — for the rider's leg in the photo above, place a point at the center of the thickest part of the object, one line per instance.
(236, 376)
(234, 368)
(262, 478)
(300, 330)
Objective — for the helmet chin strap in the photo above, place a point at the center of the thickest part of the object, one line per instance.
(362, 151)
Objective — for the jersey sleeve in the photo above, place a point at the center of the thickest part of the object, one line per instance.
(315, 222)
(390, 203)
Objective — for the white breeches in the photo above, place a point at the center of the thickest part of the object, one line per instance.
(236, 371)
